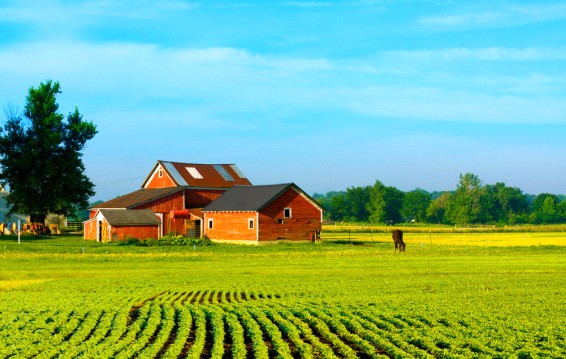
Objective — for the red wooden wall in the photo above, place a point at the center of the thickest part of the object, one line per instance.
(139, 232)
(305, 218)
(230, 226)
(90, 229)
(156, 182)
(164, 206)
(198, 198)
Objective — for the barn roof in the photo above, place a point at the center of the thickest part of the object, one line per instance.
(127, 217)
(201, 175)
(138, 197)
(251, 198)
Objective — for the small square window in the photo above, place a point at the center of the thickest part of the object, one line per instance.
(280, 221)
(287, 213)
(250, 223)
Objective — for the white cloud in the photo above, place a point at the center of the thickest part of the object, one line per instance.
(56, 12)
(505, 16)
(440, 105)
(482, 54)
(217, 82)
(308, 3)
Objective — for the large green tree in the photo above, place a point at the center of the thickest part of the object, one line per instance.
(415, 204)
(500, 203)
(385, 204)
(546, 209)
(464, 206)
(436, 211)
(40, 156)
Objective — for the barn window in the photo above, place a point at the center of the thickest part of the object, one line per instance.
(251, 223)
(210, 223)
(161, 173)
(287, 213)
(280, 221)
(194, 172)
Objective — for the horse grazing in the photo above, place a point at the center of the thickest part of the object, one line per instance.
(398, 239)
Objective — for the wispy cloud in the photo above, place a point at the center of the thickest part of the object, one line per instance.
(441, 105)
(63, 13)
(308, 3)
(506, 16)
(227, 80)
(488, 54)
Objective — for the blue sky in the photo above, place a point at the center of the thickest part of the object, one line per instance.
(327, 94)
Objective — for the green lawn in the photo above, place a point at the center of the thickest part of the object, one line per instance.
(340, 298)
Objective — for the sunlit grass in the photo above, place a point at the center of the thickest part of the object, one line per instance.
(457, 239)
(345, 227)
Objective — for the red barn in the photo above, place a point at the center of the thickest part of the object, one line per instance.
(171, 187)
(234, 210)
(259, 214)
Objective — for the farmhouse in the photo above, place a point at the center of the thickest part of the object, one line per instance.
(184, 196)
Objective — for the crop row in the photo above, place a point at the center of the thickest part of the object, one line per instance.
(168, 325)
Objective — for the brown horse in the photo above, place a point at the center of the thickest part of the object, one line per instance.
(398, 239)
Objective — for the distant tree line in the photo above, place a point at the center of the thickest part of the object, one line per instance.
(471, 203)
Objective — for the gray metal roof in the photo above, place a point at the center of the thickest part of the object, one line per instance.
(130, 217)
(247, 198)
(174, 173)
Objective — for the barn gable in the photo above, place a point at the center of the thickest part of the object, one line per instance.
(253, 198)
(170, 174)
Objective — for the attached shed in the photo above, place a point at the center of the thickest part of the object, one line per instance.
(259, 214)
(119, 224)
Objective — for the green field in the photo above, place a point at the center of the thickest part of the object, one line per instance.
(448, 296)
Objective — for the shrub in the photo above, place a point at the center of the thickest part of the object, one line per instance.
(167, 241)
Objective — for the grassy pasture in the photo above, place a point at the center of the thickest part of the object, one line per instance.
(485, 239)
(449, 295)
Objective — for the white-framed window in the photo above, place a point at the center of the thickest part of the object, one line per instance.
(251, 223)
(210, 223)
(160, 173)
(287, 213)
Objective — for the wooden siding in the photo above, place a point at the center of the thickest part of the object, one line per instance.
(304, 222)
(195, 198)
(164, 206)
(90, 229)
(230, 226)
(119, 233)
(156, 182)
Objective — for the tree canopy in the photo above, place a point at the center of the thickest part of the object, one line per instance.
(470, 203)
(40, 156)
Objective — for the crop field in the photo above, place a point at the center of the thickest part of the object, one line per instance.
(448, 296)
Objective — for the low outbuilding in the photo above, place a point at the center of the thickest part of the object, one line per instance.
(262, 214)
(119, 224)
